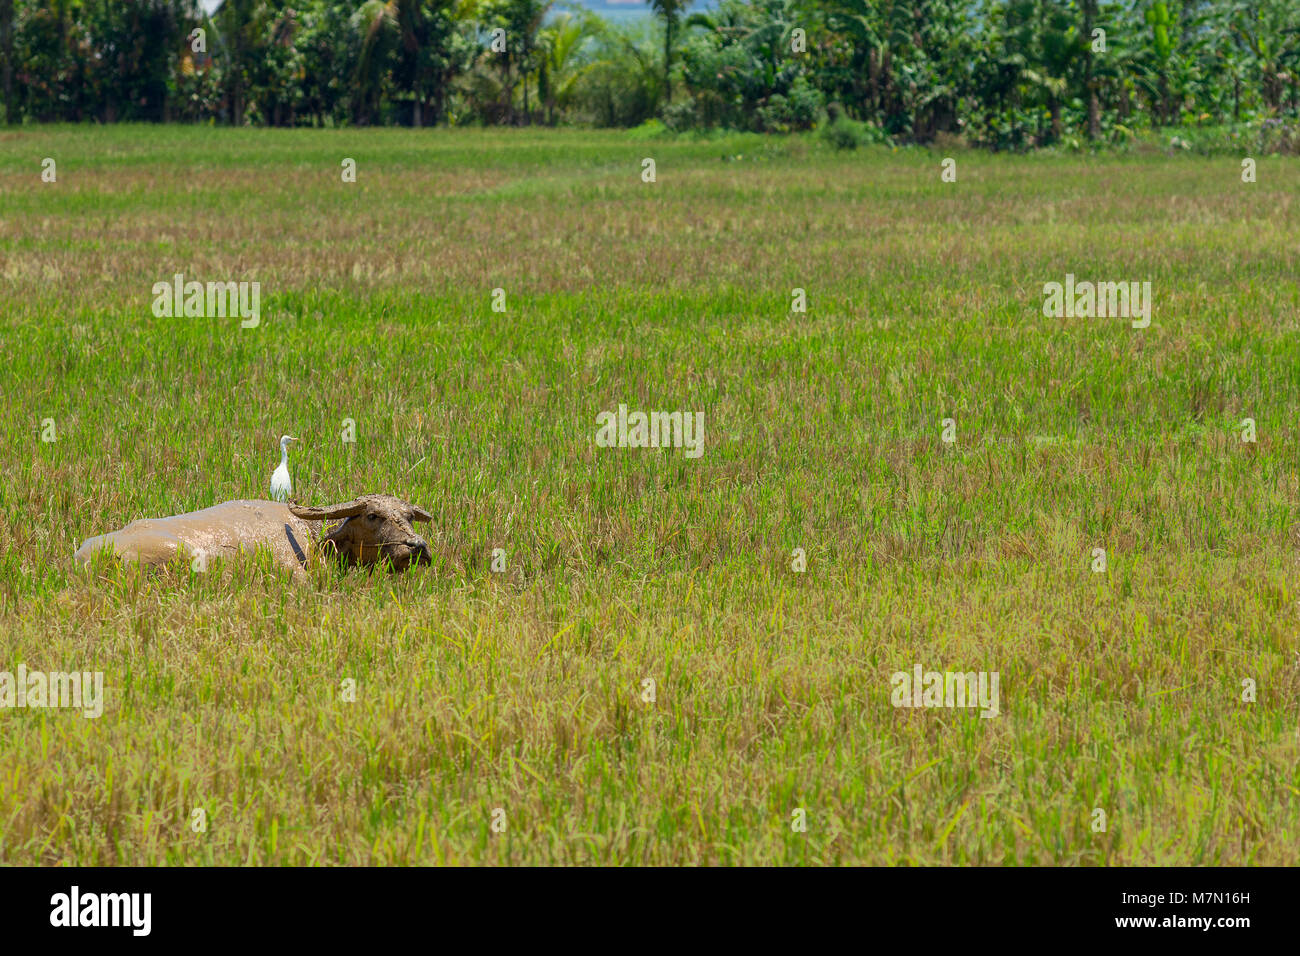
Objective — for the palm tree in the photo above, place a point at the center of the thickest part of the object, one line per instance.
(383, 22)
(239, 24)
(562, 43)
(7, 54)
(1089, 83)
(522, 21)
(670, 12)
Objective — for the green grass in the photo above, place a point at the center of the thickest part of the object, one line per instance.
(522, 691)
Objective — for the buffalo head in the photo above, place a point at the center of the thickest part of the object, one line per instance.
(375, 529)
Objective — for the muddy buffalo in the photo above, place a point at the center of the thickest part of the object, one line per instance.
(375, 529)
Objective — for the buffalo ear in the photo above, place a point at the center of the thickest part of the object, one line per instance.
(421, 514)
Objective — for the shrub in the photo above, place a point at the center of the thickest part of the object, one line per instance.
(650, 129)
(796, 111)
(845, 133)
(680, 115)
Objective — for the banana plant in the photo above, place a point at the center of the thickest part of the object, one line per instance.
(1156, 78)
(1271, 32)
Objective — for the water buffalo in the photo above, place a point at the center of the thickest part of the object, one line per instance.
(375, 528)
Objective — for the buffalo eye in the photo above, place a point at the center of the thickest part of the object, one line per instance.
(372, 517)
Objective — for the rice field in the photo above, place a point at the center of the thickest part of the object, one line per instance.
(634, 656)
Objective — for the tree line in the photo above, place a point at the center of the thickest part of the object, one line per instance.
(1008, 74)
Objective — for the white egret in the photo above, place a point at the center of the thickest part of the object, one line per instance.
(281, 486)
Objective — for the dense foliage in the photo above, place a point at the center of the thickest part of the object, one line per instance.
(1003, 73)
